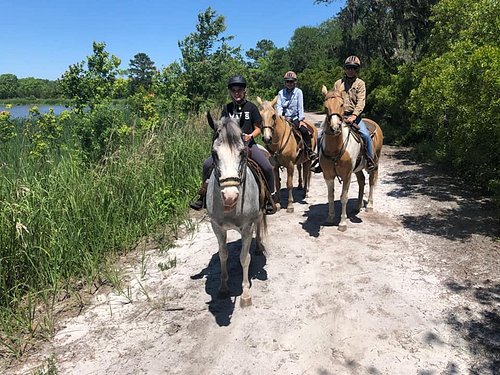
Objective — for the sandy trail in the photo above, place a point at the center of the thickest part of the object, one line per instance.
(412, 288)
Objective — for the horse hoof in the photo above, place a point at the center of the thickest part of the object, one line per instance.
(342, 228)
(369, 209)
(245, 302)
(289, 210)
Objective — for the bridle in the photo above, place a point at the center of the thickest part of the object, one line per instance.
(232, 180)
(279, 143)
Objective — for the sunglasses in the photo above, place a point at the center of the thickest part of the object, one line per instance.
(351, 67)
(289, 81)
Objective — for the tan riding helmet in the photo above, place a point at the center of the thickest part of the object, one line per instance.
(290, 76)
(352, 61)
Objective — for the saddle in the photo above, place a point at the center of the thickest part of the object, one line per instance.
(371, 129)
(298, 135)
(357, 136)
(264, 193)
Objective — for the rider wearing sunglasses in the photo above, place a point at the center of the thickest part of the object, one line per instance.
(291, 105)
(353, 91)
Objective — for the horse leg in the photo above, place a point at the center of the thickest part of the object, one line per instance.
(277, 184)
(261, 227)
(289, 187)
(360, 176)
(372, 180)
(299, 171)
(346, 181)
(331, 207)
(246, 240)
(307, 177)
(223, 255)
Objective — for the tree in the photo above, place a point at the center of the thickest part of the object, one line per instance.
(91, 86)
(141, 72)
(8, 86)
(261, 51)
(208, 60)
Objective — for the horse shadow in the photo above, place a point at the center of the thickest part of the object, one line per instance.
(317, 214)
(222, 307)
(297, 195)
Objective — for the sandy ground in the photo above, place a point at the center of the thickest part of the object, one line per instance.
(412, 288)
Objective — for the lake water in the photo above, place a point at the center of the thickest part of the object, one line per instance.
(21, 111)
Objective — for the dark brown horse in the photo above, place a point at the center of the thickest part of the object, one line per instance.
(341, 155)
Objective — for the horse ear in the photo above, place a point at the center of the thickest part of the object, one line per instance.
(324, 90)
(275, 100)
(259, 100)
(210, 120)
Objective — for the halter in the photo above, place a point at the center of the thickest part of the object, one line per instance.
(233, 180)
(282, 146)
(336, 157)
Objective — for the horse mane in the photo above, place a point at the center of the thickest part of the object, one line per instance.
(333, 94)
(230, 132)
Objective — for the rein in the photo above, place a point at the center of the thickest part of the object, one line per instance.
(282, 147)
(238, 180)
(336, 157)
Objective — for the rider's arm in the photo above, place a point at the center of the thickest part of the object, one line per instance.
(279, 106)
(300, 105)
(360, 98)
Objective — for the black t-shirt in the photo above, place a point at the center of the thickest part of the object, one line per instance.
(248, 110)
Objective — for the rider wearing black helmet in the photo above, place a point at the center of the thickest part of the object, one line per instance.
(250, 125)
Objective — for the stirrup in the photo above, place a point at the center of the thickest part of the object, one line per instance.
(315, 166)
(371, 166)
(198, 204)
(269, 208)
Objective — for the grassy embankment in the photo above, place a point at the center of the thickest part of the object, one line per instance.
(64, 221)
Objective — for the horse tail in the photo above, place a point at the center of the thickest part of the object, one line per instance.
(261, 232)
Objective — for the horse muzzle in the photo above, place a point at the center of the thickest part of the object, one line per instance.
(230, 197)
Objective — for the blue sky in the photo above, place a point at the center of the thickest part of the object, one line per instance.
(42, 38)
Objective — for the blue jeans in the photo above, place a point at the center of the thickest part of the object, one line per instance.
(365, 134)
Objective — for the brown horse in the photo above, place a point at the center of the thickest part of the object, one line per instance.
(341, 155)
(284, 148)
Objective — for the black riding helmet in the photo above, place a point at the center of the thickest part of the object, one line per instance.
(236, 81)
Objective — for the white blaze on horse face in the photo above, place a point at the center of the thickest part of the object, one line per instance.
(335, 123)
(267, 124)
(267, 134)
(229, 163)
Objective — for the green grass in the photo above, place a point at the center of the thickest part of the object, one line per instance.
(62, 220)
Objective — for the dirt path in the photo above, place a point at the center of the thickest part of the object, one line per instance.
(413, 288)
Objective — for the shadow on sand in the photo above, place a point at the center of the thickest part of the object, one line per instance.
(473, 214)
(222, 308)
(481, 329)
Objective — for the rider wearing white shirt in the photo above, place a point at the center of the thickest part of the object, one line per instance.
(291, 105)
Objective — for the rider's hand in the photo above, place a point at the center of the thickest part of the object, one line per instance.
(350, 119)
(247, 137)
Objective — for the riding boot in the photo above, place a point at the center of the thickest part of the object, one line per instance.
(311, 155)
(370, 164)
(315, 166)
(270, 208)
(199, 203)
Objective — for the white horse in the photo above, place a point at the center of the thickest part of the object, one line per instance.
(233, 200)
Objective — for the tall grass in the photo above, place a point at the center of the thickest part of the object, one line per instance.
(61, 218)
